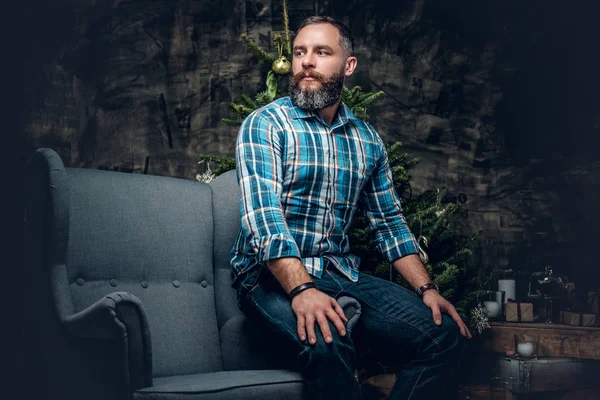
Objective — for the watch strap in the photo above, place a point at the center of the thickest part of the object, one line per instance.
(301, 288)
(426, 287)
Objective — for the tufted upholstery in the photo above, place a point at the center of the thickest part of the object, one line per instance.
(134, 288)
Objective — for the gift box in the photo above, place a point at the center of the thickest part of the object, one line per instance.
(577, 319)
(518, 312)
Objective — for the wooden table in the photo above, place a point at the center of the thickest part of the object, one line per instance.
(573, 380)
(555, 340)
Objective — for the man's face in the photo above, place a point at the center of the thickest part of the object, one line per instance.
(319, 67)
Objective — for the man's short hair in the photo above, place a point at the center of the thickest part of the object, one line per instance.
(346, 38)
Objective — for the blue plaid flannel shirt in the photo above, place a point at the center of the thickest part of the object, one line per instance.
(302, 181)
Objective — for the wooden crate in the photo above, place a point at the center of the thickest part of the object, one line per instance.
(483, 392)
(548, 374)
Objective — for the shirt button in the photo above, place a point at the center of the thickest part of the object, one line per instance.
(113, 282)
(204, 284)
(176, 283)
(80, 281)
(144, 284)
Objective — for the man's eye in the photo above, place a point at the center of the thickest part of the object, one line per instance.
(323, 53)
(298, 53)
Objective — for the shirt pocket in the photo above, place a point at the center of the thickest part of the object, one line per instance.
(352, 175)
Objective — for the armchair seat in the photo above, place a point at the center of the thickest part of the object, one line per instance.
(131, 283)
(227, 385)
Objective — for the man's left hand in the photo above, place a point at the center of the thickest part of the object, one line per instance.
(438, 304)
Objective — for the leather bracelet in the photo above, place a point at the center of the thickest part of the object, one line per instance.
(426, 287)
(301, 288)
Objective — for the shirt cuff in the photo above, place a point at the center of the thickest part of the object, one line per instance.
(396, 248)
(276, 246)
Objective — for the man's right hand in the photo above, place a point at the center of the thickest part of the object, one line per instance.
(312, 306)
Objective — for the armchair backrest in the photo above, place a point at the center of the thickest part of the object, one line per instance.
(226, 217)
(148, 235)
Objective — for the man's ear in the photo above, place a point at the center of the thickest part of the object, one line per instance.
(350, 65)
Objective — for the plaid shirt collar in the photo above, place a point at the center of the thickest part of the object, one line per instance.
(344, 114)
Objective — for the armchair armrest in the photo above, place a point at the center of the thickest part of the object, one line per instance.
(119, 316)
(352, 310)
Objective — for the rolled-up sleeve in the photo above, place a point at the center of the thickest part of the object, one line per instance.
(384, 212)
(259, 150)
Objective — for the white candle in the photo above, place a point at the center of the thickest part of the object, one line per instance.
(500, 296)
(525, 349)
(492, 308)
(508, 287)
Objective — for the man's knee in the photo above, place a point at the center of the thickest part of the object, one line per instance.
(341, 350)
(450, 338)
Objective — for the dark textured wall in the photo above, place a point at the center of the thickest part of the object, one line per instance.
(498, 100)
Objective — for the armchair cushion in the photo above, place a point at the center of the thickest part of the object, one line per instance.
(227, 385)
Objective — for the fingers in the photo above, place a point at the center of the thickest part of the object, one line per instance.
(339, 310)
(301, 325)
(335, 319)
(313, 307)
(462, 326)
(324, 326)
(437, 315)
(437, 304)
(310, 329)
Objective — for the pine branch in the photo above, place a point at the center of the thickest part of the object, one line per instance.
(231, 122)
(248, 101)
(355, 94)
(257, 50)
(368, 98)
(241, 109)
(263, 98)
(224, 164)
(351, 96)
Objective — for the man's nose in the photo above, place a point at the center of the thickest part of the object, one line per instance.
(308, 61)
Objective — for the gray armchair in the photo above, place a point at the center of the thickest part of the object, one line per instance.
(132, 289)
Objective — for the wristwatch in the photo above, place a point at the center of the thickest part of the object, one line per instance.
(426, 287)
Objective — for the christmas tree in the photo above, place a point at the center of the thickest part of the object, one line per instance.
(443, 249)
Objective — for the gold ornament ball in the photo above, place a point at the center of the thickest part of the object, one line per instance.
(281, 66)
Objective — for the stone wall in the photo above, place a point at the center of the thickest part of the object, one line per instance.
(142, 86)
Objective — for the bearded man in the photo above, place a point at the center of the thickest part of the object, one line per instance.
(305, 164)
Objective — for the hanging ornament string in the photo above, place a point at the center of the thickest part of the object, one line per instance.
(286, 24)
(281, 65)
(422, 242)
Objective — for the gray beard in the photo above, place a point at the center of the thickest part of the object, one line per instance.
(314, 100)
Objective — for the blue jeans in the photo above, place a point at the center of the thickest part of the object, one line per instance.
(393, 320)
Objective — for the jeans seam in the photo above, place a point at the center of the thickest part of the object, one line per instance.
(336, 281)
(404, 322)
(417, 381)
(253, 288)
(293, 334)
